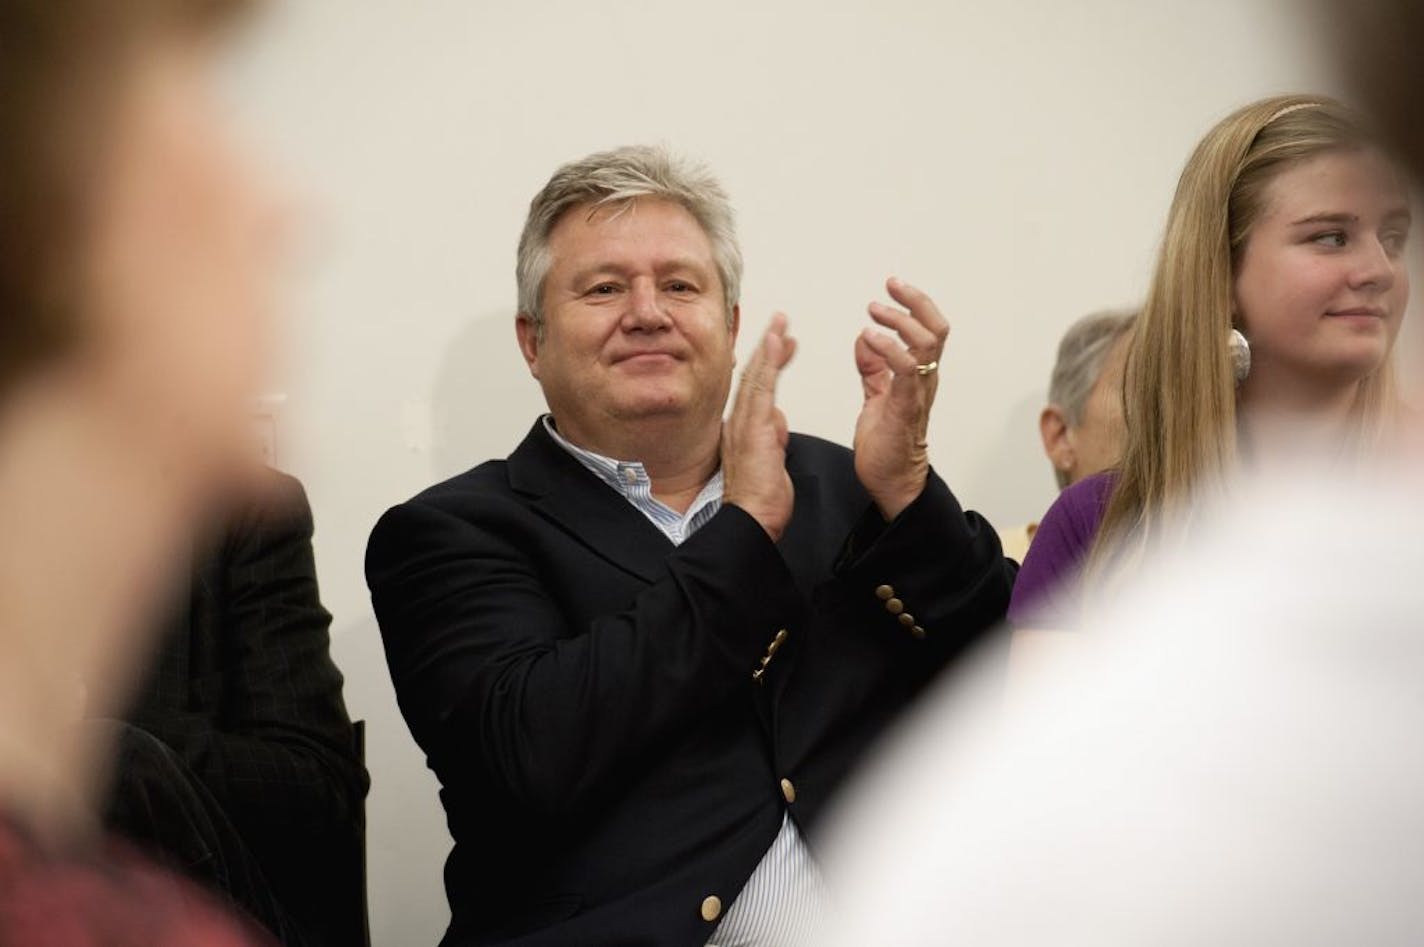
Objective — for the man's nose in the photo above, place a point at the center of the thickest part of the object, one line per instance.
(645, 311)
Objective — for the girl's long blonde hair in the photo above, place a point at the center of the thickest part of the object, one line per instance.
(1179, 390)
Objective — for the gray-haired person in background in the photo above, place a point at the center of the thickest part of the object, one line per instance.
(1081, 425)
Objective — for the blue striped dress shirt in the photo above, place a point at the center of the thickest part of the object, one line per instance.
(783, 899)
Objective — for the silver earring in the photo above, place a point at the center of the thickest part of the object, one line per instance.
(1240, 356)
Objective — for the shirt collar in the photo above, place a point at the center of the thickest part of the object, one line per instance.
(629, 477)
(621, 475)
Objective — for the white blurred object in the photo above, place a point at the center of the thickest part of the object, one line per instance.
(1234, 756)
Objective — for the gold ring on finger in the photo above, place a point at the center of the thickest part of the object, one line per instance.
(928, 368)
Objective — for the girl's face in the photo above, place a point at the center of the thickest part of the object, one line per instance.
(1321, 285)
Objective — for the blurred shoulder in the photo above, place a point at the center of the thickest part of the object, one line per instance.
(277, 504)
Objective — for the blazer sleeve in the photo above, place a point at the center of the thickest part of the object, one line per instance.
(485, 663)
(931, 581)
(280, 752)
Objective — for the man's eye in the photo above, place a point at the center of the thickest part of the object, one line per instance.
(677, 286)
(603, 289)
(1335, 238)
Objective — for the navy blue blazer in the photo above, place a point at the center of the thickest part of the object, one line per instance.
(611, 717)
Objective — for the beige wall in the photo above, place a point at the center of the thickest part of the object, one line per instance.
(1014, 158)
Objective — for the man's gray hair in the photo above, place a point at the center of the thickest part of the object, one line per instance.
(618, 178)
(1081, 354)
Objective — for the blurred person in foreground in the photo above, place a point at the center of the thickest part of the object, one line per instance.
(1265, 341)
(1081, 426)
(643, 652)
(137, 256)
(1232, 754)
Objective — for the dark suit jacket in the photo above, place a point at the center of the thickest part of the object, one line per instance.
(245, 693)
(584, 689)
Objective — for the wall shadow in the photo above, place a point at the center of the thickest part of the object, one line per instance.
(1015, 458)
(476, 413)
(406, 837)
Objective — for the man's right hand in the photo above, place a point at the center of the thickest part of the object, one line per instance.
(755, 435)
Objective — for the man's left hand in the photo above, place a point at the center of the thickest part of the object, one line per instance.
(899, 374)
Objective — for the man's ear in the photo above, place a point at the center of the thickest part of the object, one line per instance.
(527, 331)
(1057, 444)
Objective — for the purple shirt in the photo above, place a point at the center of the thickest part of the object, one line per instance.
(1060, 549)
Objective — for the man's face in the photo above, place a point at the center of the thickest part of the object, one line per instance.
(635, 323)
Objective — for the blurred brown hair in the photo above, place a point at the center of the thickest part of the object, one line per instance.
(60, 62)
(1379, 44)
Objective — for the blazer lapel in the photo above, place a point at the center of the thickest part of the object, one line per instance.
(565, 492)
